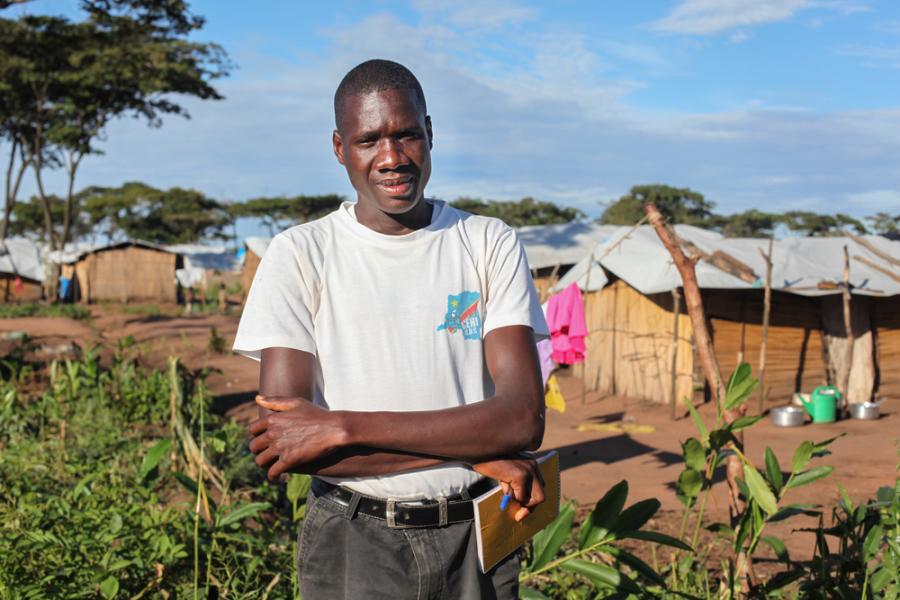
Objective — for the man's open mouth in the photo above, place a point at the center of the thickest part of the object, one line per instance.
(397, 186)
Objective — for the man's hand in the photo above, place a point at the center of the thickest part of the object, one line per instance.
(518, 476)
(296, 432)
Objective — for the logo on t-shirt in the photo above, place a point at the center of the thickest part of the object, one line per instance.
(462, 314)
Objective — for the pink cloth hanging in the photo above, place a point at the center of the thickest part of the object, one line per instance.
(565, 317)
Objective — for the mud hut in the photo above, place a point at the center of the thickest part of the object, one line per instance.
(254, 248)
(21, 271)
(631, 314)
(132, 271)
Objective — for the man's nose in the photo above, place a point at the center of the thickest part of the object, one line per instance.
(390, 154)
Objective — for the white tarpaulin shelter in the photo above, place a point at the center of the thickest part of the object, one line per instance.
(21, 257)
(799, 264)
(563, 244)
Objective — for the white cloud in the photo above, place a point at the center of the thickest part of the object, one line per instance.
(739, 37)
(714, 16)
(476, 14)
(554, 125)
(874, 56)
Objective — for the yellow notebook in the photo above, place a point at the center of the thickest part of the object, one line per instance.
(496, 530)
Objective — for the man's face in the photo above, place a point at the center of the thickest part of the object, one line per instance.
(385, 144)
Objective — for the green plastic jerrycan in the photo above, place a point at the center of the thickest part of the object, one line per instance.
(822, 404)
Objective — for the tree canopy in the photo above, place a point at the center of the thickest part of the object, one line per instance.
(279, 212)
(526, 211)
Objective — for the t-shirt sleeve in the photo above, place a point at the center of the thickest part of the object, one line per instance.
(511, 297)
(281, 304)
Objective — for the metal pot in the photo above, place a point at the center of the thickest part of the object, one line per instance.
(788, 416)
(864, 410)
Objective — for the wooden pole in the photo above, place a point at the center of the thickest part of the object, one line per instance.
(673, 354)
(871, 248)
(694, 303)
(767, 309)
(587, 287)
(848, 327)
(878, 268)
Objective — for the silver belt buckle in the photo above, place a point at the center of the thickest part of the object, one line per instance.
(390, 514)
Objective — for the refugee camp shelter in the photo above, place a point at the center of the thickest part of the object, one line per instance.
(636, 334)
(21, 271)
(255, 248)
(202, 263)
(553, 249)
(124, 272)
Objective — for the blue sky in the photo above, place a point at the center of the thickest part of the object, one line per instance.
(769, 104)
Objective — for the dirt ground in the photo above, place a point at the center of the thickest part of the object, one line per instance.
(636, 440)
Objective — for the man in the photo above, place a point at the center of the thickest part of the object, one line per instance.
(397, 346)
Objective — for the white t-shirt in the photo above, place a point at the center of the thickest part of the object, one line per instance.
(396, 322)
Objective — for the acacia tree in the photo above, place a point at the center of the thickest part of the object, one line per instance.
(526, 211)
(127, 57)
(280, 212)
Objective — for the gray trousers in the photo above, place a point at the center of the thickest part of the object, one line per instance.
(360, 557)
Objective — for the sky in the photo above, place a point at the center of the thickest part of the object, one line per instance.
(768, 104)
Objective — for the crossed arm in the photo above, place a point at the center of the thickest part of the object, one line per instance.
(301, 437)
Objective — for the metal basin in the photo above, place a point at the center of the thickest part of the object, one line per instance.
(864, 410)
(788, 416)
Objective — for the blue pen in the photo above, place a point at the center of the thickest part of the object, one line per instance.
(504, 502)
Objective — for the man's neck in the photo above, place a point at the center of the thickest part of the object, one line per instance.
(388, 224)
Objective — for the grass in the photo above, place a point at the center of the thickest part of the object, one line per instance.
(70, 311)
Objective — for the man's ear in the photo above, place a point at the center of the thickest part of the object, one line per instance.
(429, 132)
(337, 146)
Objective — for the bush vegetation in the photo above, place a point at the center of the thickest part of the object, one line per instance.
(118, 482)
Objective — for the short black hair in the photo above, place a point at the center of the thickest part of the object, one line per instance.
(376, 75)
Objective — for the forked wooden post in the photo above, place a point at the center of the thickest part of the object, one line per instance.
(694, 303)
(848, 327)
(767, 310)
(673, 356)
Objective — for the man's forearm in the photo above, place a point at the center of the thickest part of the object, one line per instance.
(358, 461)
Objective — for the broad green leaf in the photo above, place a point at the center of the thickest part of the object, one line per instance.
(821, 448)
(720, 438)
(152, 458)
(601, 575)
(549, 540)
(688, 486)
(743, 530)
(109, 588)
(759, 491)
(879, 579)
(802, 456)
(740, 374)
(773, 470)
(872, 542)
(809, 476)
(600, 520)
(298, 486)
(634, 517)
(742, 486)
(783, 579)
(885, 494)
(188, 483)
(740, 386)
(698, 422)
(119, 565)
(527, 593)
(694, 454)
(659, 538)
(244, 511)
(745, 422)
(722, 530)
(638, 565)
(795, 509)
(777, 547)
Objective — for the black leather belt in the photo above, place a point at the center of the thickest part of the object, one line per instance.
(402, 514)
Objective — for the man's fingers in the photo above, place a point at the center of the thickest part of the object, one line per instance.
(258, 426)
(537, 492)
(277, 469)
(266, 457)
(278, 404)
(259, 443)
(522, 513)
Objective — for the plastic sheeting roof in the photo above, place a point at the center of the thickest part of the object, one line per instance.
(21, 256)
(799, 263)
(563, 244)
(198, 256)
